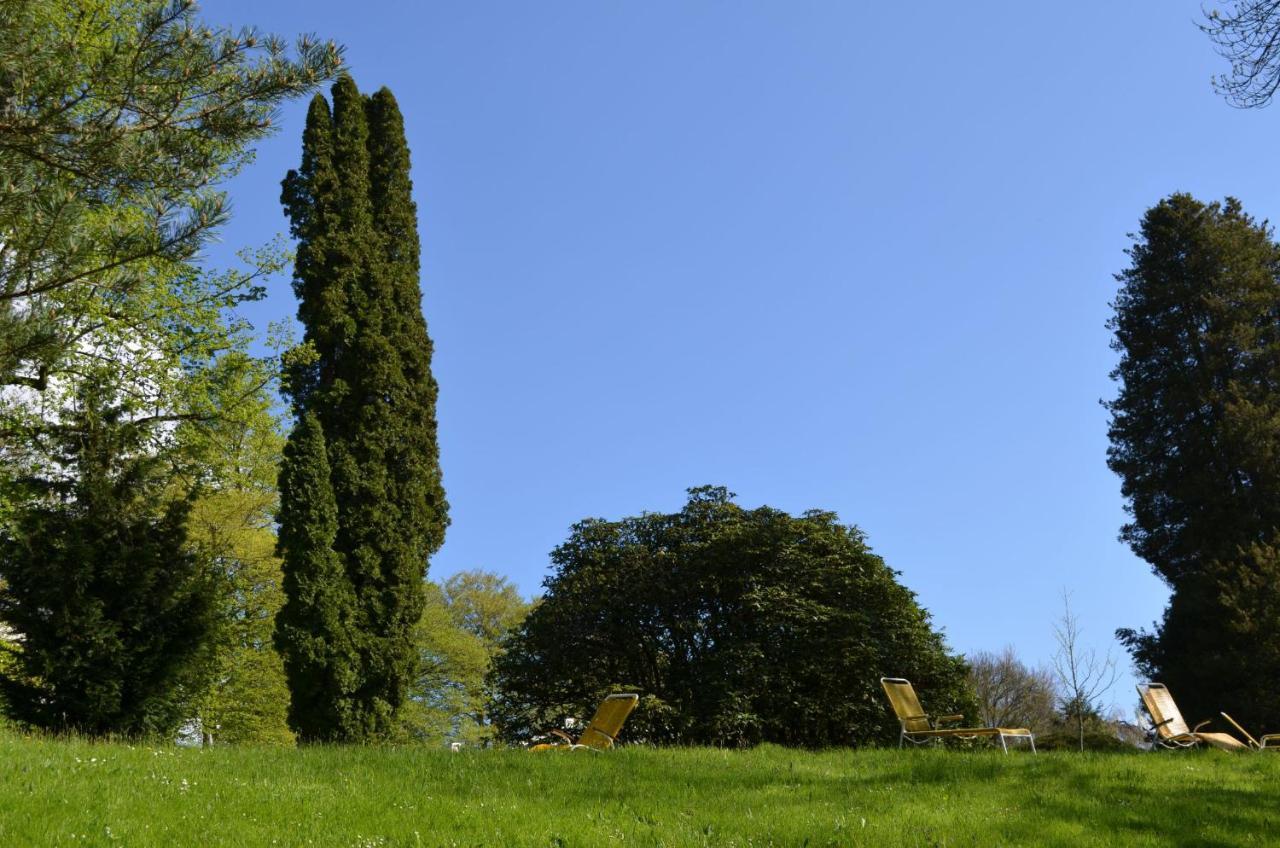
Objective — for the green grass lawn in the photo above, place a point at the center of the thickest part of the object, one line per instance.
(79, 793)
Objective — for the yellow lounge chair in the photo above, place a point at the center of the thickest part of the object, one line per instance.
(603, 729)
(1267, 743)
(918, 727)
(1170, 729)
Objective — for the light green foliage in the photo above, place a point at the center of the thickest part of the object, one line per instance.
(118, 118)
(461, 630)
(485, 605)
(768, 796)
(172, 349)
(448, 690)
(231, 526)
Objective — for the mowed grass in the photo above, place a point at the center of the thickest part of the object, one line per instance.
(79, 793)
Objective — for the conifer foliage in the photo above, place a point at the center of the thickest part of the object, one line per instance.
(115, 612)
(314, 629)
(1195, 438)
(364, 396)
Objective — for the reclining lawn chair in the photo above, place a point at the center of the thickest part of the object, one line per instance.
(1168, 728)
(918, 727)
(603, 729)
(1268, 739)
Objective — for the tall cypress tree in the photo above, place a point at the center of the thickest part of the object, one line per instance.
(407, 449)
(365, 375)
(1195, 438)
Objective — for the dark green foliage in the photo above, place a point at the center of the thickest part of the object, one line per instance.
(735, 626)
(1195, 438)
(116, 614)
(314, 628)
(365, 374)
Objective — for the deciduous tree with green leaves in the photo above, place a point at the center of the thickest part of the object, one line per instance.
(1195, 439)
(735, 626)
(232, 528)
(364, 397)
(463, 625)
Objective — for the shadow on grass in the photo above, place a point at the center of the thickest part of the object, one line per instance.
(1205, 799)
(1212, 818)
(941, 798)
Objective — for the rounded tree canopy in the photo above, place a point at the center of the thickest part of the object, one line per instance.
(736, 627)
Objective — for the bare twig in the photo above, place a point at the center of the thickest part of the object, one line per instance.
(1084, 675)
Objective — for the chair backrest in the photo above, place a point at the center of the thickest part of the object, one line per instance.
(608, 720)
(905, 703)
(1164, 712)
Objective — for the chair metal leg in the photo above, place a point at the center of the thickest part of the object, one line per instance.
(1031, 740)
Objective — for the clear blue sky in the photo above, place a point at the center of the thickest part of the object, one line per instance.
(834, 254)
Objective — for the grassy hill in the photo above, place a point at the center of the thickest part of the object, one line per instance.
(79, 793)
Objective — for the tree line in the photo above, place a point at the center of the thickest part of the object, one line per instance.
(151, 571)
(174, 553)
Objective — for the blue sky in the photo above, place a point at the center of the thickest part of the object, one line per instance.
(829, 254)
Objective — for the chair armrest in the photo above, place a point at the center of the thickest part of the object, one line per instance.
(1156, 725)
(561, 734)
(947, 719)
(1196, 729)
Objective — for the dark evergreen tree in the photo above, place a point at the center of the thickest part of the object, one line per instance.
(116, 614)
(315, 626)
(735, 626)
(365, 374)
(397, 513)
(1195, 438)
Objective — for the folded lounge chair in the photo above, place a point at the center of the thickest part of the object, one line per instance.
(919, 727)
(1267, 743)
(1170, 731)
(603, 729)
